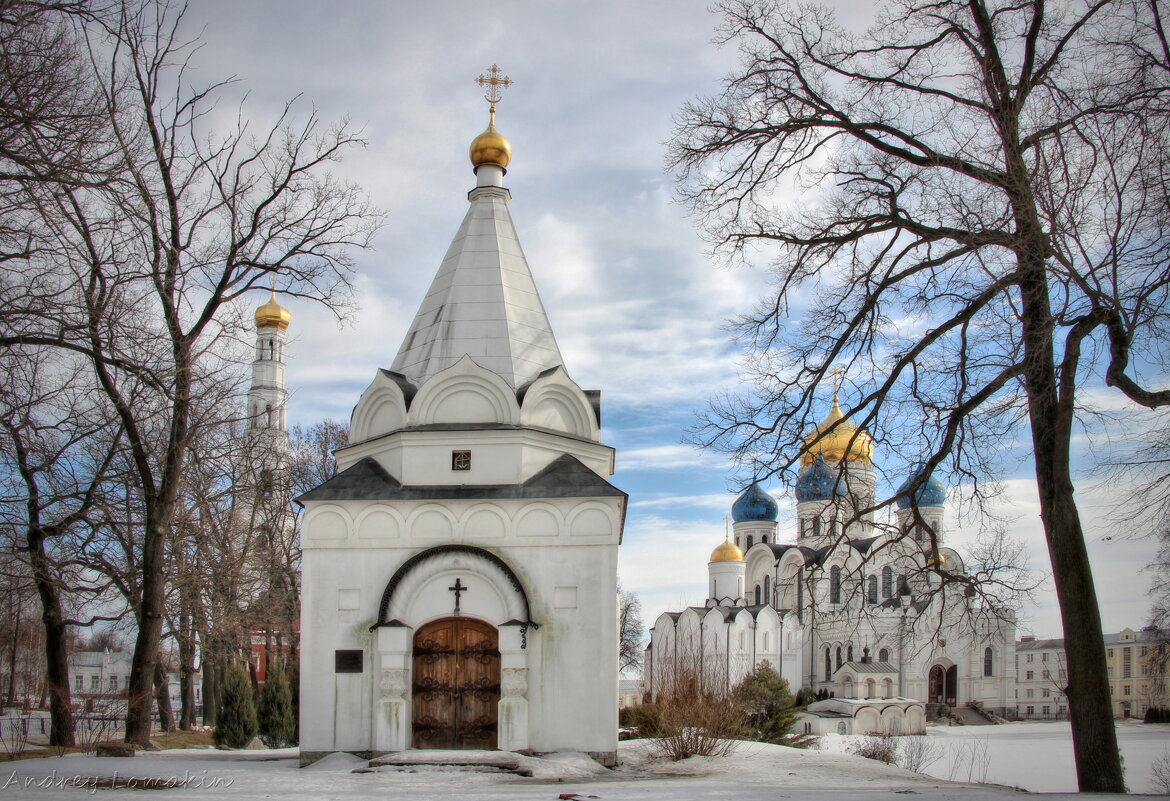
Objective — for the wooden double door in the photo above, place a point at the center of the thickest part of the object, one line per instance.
(455, 685)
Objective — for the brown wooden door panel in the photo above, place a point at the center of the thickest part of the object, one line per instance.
(456, 684)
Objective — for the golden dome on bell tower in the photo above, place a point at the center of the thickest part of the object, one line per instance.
(844, 442)
(272, 314)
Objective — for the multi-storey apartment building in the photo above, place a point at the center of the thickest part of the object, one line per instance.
(1137, 663)
(1041, 675)
(1137, 671)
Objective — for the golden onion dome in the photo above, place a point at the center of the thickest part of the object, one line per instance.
(272, 314)
(727, 551)
(490, 147)
(845, 441)
(936, 560)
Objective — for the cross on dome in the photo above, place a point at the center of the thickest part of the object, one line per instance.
(495, 84)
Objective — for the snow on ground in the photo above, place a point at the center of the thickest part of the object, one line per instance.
(754, 772)
(1035, 755)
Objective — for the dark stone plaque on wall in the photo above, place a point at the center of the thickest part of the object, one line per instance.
(347, 661)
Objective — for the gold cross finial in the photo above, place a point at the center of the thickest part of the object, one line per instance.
(726, 527)
(495, 82)
(836, 372)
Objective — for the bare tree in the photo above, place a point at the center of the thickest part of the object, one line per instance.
(630, 629)
(145, 270)
(964, 206)
(57, 453)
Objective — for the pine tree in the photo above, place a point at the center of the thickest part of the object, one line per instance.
(277, 724)
(236, 722)
(771, 707)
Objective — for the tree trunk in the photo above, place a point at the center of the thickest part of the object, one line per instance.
(12, 658)
(210, 692)
(56, 650)
(162, 697)
(1051, 414)
(185, 637)
(140, 702)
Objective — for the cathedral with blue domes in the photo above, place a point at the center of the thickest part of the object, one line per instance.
(873, 613)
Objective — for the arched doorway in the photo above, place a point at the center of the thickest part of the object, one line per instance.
(456, 684)
(944, 685)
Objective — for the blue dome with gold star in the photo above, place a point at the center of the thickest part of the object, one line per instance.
(929, 493)
(754, 504)
(818, 482)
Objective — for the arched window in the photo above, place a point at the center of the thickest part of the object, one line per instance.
(839, 663)
(268, 411)
(816, 526)
(749, 542)
(849, 653)
(835, 585)
(884, 655)
(764, 539)
(804, 526)
(768, 590)
(757, 595)
(799, 591)
(988, 662)
(887, 582)
(903, 585)
(873, 590)
(271, 351)
(828, 664)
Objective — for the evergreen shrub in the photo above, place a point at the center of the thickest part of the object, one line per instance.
(236, 722)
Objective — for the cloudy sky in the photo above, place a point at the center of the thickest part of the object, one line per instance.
(637, 307)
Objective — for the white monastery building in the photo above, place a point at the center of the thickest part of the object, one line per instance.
(876, 615)
(460, 570)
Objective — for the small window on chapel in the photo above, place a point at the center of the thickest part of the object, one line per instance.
(460, 460)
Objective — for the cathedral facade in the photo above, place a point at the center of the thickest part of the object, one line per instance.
(877, 614)
(460, 570)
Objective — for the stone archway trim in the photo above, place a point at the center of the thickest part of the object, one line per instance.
(440, 550)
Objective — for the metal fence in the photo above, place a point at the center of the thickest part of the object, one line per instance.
(31, 725)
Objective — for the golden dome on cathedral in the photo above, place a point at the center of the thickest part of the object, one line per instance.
(727, 551)
(272, 314)
(845, 441)
(490, 147)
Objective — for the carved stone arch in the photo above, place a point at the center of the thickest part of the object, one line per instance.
(555, 402)
(328, 522)
(431, 562)
(591, 518)
(465, 393)
(483, 520)
(423, 522)
(535, 520)
(382, 408)
(379, 521)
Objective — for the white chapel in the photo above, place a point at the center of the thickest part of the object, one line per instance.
(460, 570)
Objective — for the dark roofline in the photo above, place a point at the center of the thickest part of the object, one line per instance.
(367, 480)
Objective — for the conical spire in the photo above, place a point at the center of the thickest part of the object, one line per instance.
(483, 302)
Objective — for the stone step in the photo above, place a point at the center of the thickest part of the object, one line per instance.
(970, 717)
(494, 761)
